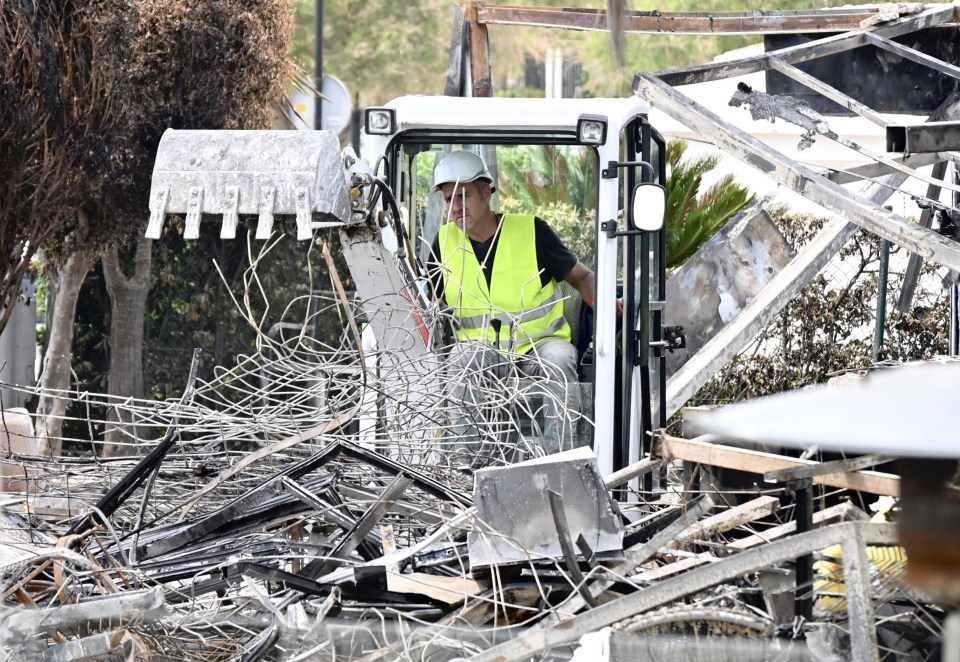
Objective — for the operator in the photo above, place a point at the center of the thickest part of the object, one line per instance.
(498, 273)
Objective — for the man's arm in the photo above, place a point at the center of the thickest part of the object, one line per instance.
(582, 280)
(556, 260)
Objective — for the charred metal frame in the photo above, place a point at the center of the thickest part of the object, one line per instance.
(864, 209)
(931, 137)
(844, 30)
(638, 22)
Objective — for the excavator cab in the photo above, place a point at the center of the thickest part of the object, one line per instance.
(592, 168)
(581, 165)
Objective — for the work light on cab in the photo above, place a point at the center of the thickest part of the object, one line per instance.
(380, 121)
(591, 130)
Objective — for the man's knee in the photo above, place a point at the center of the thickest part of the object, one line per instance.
(473, 356)
(558, 355)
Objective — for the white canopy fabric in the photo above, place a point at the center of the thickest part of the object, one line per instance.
(905, 411)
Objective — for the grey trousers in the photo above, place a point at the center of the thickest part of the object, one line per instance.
(482, 420)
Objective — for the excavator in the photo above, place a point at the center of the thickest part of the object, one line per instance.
(599, 159)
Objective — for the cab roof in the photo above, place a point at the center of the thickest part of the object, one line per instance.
(445, 112)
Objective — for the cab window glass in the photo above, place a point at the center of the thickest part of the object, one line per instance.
(555, 182)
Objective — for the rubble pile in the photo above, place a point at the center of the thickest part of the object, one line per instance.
(348, 554)
(258, 519)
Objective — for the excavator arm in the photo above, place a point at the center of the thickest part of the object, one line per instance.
(221, 175)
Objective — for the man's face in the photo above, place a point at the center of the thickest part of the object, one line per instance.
(468, 202)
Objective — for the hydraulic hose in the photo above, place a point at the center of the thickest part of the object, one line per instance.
(402, 238)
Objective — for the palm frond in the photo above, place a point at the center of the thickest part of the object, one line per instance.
(693, 216)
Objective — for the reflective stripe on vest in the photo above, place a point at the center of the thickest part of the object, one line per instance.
(527, 311)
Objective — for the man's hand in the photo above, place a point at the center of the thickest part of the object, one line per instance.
(619, 306)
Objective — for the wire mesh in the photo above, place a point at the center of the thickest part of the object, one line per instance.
(246, 525)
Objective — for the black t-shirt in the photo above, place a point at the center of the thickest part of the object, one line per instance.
(554, 260)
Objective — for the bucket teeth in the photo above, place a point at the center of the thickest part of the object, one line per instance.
(265, 221)
(194, 209)
(304, 215)
(158, 212)
(228, 230)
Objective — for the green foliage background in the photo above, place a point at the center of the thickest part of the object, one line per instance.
(695, 215)
(385, 50)
(828, 328)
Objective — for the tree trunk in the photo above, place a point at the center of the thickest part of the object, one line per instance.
(128, 299)
(56, 360)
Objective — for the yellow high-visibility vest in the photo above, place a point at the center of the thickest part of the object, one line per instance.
(527, 310)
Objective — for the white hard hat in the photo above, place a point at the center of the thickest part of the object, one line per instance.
(461, 166)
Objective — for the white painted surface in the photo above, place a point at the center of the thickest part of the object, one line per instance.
(18, 349)
(785, 138)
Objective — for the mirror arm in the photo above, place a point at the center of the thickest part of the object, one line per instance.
(610, 228)
(612, 166)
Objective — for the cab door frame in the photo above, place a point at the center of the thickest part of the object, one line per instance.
(642, 362)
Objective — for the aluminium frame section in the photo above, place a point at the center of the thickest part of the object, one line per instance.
(852, 536)
(920, 240)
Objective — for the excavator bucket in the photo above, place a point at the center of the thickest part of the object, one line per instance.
(266, 173)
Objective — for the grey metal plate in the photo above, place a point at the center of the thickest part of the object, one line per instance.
(514, 520)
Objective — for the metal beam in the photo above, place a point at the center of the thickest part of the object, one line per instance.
(351, 539)
(852, 535)
(931, 17)
(913, 55)
(924, 138)
(937, 15)
(860, 612)
(480, 74)
(704, 450)
(750, 65)
(874, 169)
(825, 468)
(656, 22)
(241, 507)
(454, 78)
(912, 273)
(22, 623)
(802, 179)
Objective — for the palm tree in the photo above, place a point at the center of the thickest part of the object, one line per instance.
(694, 216)
(557, 185)
(541, 175)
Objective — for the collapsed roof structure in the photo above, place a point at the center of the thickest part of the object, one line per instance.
(872, 61)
